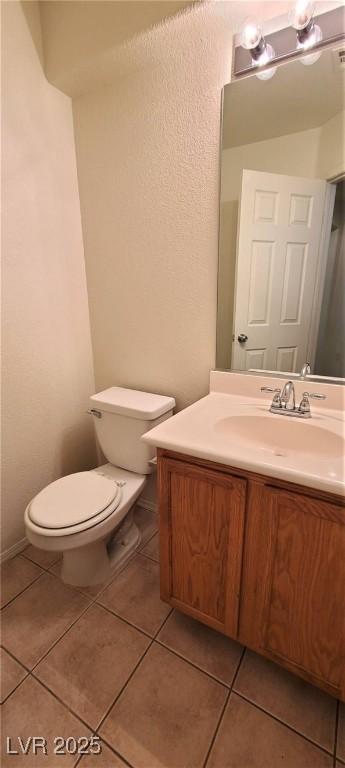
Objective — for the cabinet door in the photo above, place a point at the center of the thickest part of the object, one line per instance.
(201, 536)
(302, 590)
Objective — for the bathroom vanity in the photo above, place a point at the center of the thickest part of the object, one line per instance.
(251, 489)
(252, 528)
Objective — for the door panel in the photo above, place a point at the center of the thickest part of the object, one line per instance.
(305, 585)
(202, 521)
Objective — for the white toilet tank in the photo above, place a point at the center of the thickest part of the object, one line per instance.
(120, 417)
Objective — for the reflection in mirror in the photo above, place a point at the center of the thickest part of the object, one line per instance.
(281, 279)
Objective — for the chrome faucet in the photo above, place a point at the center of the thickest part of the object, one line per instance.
(305, 370)
(284, 401)
(287, 397)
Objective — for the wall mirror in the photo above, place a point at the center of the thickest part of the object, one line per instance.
(281, 277)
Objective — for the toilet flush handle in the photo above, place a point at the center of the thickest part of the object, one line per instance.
(94, 412)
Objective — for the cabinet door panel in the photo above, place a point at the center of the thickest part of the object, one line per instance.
(304, 604)
(202, 516)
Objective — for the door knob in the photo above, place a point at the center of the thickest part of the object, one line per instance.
(242, 338)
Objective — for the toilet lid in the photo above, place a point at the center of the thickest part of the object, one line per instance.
(72, 500)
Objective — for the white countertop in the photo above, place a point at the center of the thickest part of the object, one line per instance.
(239, 431)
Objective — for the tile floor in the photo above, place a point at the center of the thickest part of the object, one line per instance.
(158, 688)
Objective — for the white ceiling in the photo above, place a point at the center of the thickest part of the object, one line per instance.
(78, 35)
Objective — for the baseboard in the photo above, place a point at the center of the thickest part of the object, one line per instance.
(151, 506)
(12, 551)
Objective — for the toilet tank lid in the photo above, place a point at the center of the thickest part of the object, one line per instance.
(132, 403)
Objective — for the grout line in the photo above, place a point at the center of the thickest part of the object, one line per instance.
(10, 653)
(60, 638)
(132, 673)
(24, 589)
(148, 542)
(20, 681)
(15, 689)
(61, 701)
(45, 567)
(27, 670)
(283, 722)
(118, 754)
(150, 538)
(149, 557)
(125, 621)
(223, 710)
(193, 664)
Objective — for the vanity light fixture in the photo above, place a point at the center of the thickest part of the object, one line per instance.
(302, 36)
(301, 18)
(262, 53)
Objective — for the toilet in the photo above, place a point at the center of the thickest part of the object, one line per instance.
(88, 516)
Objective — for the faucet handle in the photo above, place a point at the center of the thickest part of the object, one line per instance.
(315, 395)
(277, 392)
(304, 406)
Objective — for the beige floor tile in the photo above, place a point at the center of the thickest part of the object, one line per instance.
(38, 617)
(41, 556)
(341, 733)
(134, 595)
(91, 663)
(90, 592)
(106, 759)
(33, 711)
(166, 715)
(147, 522)
(302, 706)
(151, 549)
(201, 645)
(12, 674)
(248, 738)
(16, 575)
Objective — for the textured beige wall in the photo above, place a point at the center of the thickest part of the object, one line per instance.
(47, 360)
(296, 154)
(332, 148)
(148, 154)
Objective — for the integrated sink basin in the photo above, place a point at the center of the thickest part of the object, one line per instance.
(233, 426)
(281, 436)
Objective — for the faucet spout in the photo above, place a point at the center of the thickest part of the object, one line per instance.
(305, 370)
(288, 396)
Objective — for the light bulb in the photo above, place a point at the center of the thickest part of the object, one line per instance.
(302, 13)
(250, 34)
(265, 57)
(308, 33)
(313, 38)
(310, 39)
(262, 53)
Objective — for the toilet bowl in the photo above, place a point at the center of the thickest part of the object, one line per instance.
(88, 516)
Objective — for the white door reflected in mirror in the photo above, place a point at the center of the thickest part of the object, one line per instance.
(283, 241)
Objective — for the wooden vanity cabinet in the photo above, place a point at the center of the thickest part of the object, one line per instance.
(262, 561)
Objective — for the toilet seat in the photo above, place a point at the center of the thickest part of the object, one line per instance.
(74, 503)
